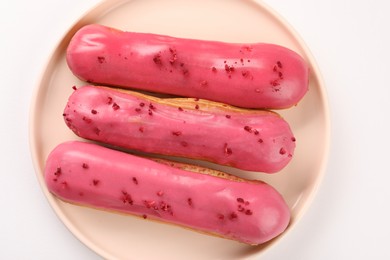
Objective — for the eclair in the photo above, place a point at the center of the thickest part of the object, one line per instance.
(250, 75)
(253, 140)
(200, 199)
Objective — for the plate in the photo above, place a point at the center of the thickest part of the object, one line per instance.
(115, 236)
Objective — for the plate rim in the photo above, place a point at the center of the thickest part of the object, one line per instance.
(37, 89)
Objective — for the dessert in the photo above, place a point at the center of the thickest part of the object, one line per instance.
(204, 200)
(253, 140)
(251, 75)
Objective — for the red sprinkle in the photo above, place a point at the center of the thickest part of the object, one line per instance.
(96, 131)
(247, 48)
(138, 109)
(214, 69)
(228, 116)
(74, 88)
(141, 104)
(275, 82)
(220, 216)
(196, 106)
(126, 198)
(58, 171)
(87, 120)
(135, 180)
(233, 216)
(141, 129)
(173, 59)
(279, 64)
(185, 72)
(165, 207)
(260, 140)
(227, 150)
(282, 151)
(101, 59)
(248, 212)
(109, 100)
(240, 200)
(115, 106)
(228, 68)
(248, 128)
(176, 133)
(85, 166)
(189, 201)
(93, 111)
(95, 182)
(157, 59)
(293, 139)
(174, 56)
(144, 216)
(245, 73)
(180, 109)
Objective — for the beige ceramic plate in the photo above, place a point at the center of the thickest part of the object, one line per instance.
(123, 237)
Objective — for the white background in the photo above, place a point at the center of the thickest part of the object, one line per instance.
(350, 215)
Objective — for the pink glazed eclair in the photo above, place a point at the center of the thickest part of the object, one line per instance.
(253, 140)
(255, 75)
(201, 199)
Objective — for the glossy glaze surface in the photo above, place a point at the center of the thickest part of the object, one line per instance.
(200, 129)
(255, 75)
(88, 174)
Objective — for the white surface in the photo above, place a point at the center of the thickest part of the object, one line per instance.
(349, 216)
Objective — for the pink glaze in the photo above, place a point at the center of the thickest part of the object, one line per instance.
(257, 75)
(88, 174)
(245, 139)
